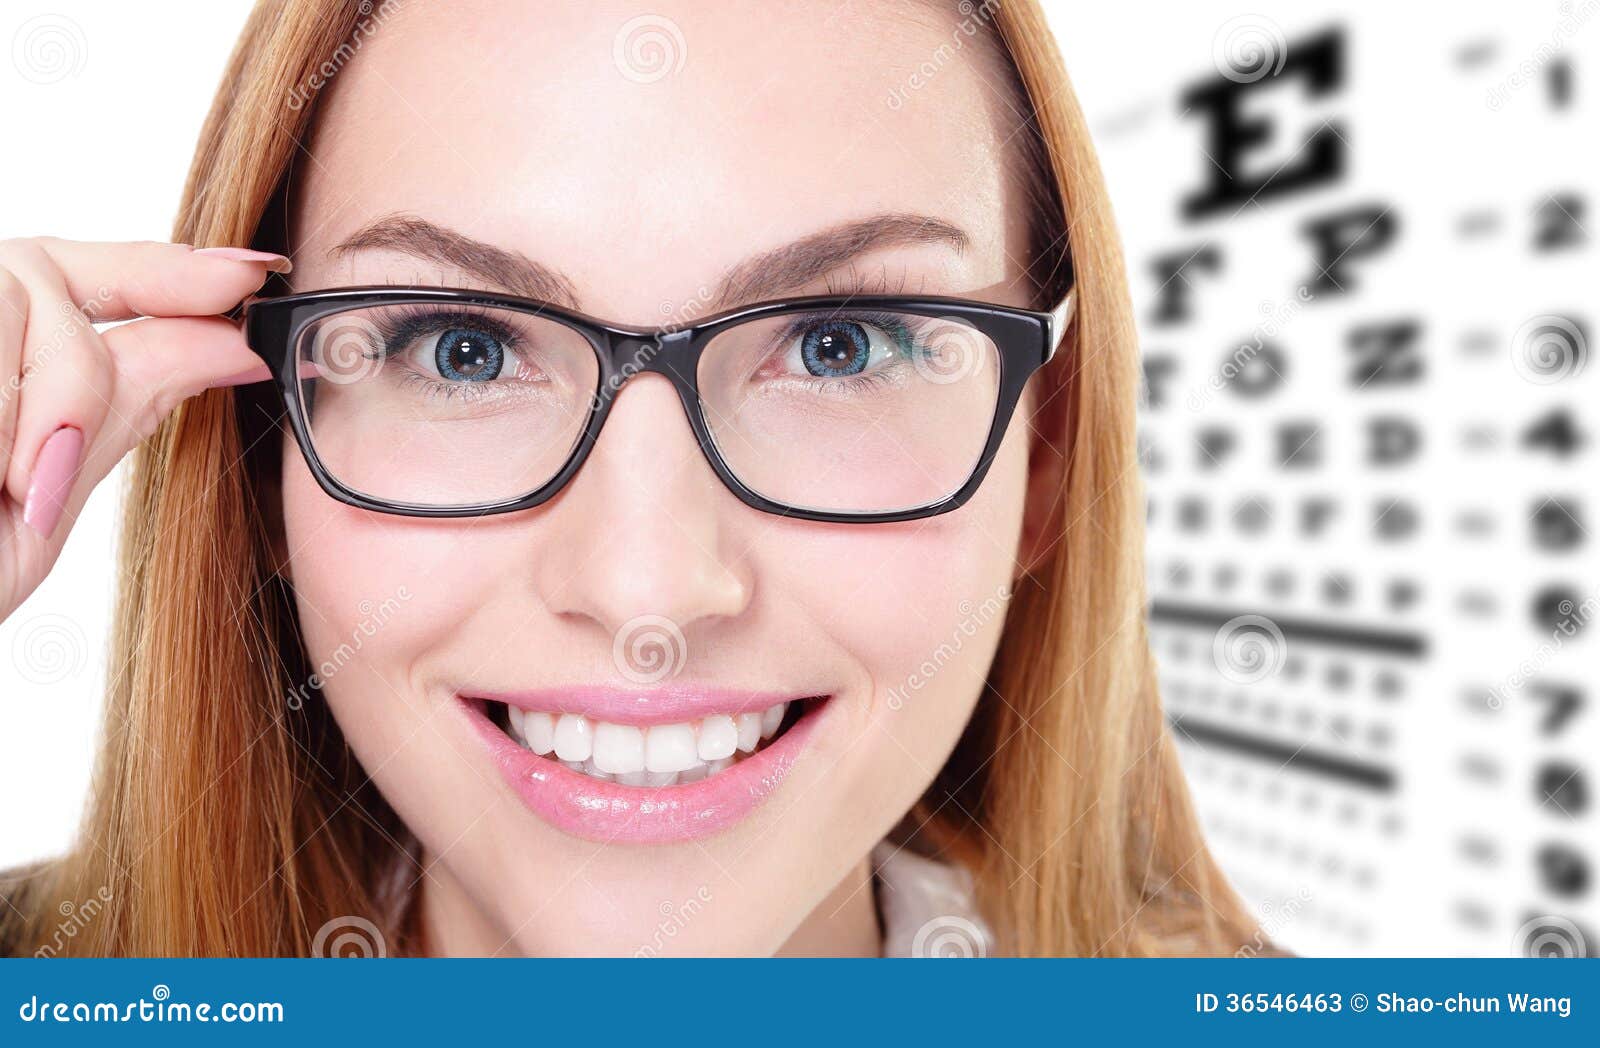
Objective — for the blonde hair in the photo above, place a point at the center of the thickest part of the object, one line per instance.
(226, 821)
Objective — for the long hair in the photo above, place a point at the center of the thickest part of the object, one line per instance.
(228, 818)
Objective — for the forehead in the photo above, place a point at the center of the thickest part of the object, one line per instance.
(646, 151)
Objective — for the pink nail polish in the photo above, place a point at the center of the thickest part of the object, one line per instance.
(53, 474)
(274, 263)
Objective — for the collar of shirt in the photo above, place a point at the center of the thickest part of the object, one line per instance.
(927, 907)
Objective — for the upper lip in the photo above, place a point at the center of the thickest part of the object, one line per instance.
(661, 704)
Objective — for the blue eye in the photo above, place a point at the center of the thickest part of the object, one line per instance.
(465, 355)
(834, 348)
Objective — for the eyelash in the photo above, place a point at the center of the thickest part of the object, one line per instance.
(905, 341)
(403, 324)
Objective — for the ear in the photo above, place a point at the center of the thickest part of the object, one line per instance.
(1047, 476)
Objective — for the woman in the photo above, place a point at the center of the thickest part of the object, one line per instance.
(575, 588)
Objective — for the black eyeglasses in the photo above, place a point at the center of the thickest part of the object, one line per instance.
(439, 402)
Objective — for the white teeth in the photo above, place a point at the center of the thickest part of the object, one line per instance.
(670, 748)
(538, 731)
(749, 725)
(574, 737)
(618, 748)
(772, 718)
(658, 756)
(719, 737)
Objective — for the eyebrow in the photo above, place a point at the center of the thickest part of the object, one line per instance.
(763, 276)
(511, 271)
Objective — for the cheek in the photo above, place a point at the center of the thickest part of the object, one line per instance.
(375, 593)
(919, 606)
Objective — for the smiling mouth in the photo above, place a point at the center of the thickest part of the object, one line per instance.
(652, 756)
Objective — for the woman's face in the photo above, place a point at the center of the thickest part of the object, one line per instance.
(639, 180)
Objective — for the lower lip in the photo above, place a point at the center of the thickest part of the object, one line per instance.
(607, 812)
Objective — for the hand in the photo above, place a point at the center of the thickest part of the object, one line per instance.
(74, 401)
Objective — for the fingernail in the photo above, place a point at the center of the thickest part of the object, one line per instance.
(259, 373)
(53, 473)
(274, 263)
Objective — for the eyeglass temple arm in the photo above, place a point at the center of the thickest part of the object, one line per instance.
(1060, 317)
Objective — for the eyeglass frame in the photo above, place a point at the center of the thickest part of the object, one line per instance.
(1025, 340)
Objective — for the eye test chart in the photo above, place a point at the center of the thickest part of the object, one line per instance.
(1362, 255)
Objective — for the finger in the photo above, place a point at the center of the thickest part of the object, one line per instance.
(13, 323)
(160, 361)
(65, 392)
(118, 281)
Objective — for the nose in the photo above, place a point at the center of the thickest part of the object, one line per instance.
(639, 534)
